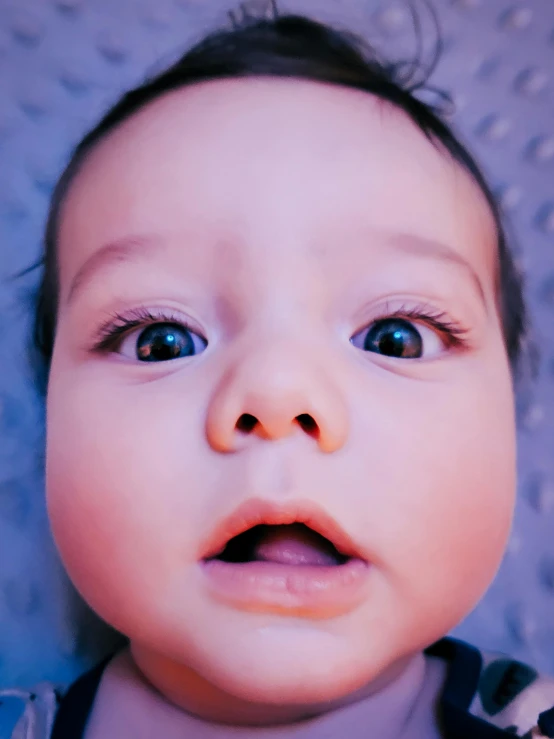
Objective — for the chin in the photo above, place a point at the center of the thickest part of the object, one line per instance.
(295, 687)
(292, 674)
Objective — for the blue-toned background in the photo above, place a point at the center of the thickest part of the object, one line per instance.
(62, 62)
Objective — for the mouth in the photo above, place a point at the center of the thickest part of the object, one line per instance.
(291, 545)
(257, 522)
(293, 559)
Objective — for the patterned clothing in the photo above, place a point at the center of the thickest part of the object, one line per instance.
(485, 696)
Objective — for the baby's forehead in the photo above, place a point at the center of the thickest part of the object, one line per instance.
(265, 159)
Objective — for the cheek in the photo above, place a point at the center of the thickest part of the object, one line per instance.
(119, 495)
(446, 485)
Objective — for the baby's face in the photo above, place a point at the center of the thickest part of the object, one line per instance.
(325, 258)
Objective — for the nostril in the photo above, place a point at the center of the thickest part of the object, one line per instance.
(308, 424)
(246, 422)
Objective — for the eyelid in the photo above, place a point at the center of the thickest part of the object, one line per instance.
(120, 324)
(422, 312)
(452, 332)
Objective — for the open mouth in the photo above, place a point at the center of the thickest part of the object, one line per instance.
(285, 544)
(294, 559)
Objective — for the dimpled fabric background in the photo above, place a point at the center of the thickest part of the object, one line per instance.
(62, 62)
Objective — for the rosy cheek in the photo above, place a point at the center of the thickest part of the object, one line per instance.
(441, 486)
(118, 485)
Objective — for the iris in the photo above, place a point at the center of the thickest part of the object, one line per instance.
(164, 341)
(394, 338)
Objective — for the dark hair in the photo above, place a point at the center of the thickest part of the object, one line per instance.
(297, 47)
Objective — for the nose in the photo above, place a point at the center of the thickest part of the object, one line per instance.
(272, 392)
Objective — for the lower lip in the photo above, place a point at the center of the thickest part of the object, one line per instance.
(305, 590)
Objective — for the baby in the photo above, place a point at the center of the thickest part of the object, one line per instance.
(282, 328)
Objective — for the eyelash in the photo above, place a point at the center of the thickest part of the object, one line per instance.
(453, 331)
(118, 325)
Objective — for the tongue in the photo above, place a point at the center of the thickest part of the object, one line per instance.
(295, 545)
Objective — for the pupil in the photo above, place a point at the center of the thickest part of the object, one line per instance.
(394, 338)
(163, 341)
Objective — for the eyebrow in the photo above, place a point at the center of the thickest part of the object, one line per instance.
(123, 250)
(424, 247)
(135, 248)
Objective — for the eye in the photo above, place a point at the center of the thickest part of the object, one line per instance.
(397, 337)
(161, 342)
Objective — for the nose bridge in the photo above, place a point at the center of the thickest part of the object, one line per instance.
(273, 387)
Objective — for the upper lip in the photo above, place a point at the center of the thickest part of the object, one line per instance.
(256, 511)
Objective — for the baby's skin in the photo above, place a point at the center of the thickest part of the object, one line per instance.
(329, 278)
